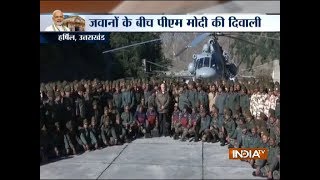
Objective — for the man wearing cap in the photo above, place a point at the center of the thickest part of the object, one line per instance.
(117, 99)
(203, 97)
(58, 140)
(266, 169)
(183, 98)
(128, 98)
(87, 137)
(244, 100)
(80, 104)
(204, 131)
(230, 127)
(128, 122)
(215, 124)
(192, 94)
(221, 100)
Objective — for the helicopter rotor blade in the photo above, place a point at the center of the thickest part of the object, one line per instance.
(181, 51)
(199, 39)
(237, 38)
(136, 44)
(253, 35)
(194, 42)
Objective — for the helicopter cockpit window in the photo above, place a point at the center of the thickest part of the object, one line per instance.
(206, 62)
(200, 63)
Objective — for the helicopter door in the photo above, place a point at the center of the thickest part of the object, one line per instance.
(206, 62)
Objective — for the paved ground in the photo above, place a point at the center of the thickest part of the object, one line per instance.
(156, 158)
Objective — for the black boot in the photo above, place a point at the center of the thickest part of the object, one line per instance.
(223, 142)
(175, 136)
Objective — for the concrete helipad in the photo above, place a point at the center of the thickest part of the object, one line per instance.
(155, 158)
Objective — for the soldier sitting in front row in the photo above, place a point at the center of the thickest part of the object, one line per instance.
(87, 137)
(108, 133)
(96, 131)
(230, 127)
(266, 168)
(182, 129)
(215, 125)
(128, 123)
(175, 121)
(194, 121)
(71, 139)
(58, 140)
(140, 119)
(152, 121)
(204, 132)
(119, 131)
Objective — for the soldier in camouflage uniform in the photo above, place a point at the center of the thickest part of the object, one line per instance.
(128, 123)
(215, 125)
(117, 99)
(71, 139)
(128, 98)
(203, 97)
(58, 140)
(192, 94)
(120, 131)
(108, 133)
(266, 168)
(87, 137)
(244, 100)
(96, 130)
(230, 127)
(183, 98)
(80, 105)
(204, 131)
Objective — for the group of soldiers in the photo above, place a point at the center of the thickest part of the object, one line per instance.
(86, 115)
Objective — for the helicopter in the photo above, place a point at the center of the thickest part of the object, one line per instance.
(211, 64)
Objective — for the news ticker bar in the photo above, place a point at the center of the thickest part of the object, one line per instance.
(174, 23)
(73, 37)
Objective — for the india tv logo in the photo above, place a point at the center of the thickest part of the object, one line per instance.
(248, 153)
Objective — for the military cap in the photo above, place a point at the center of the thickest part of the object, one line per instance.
(273, 136)
(99, 85)
(67, 88)
(276, 83)
(81, 88)
(228, 112)
(56, 93)
(272, 113)
(50, 93)
(243, 126)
